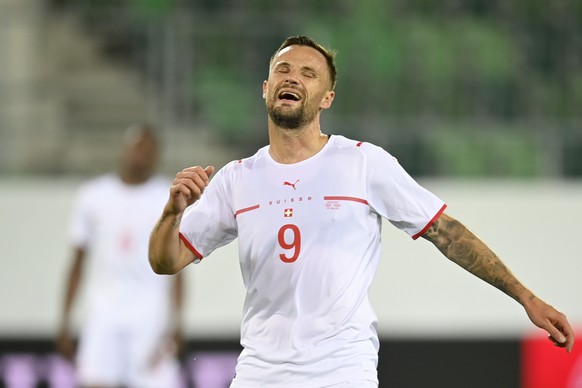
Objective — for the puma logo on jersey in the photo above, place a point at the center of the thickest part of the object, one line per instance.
(291, 184)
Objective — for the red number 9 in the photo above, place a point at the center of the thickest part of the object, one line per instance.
(295, 243)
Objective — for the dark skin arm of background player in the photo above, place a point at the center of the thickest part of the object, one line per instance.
(177, 310)
(464, 248)
(175, 342)
(65, 341)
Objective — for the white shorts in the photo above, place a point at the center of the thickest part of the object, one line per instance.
(350, 384)
(355, 384)
(113, 356)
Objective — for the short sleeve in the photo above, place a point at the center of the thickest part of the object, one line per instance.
(80, 219)
(209, 223)
(396, 196)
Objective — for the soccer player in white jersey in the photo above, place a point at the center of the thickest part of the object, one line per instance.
(307, 212)
(132, 322)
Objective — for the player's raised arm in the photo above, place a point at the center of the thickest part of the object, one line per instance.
(462, 247)
(167, 253)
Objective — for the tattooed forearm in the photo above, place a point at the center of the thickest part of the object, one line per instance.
(164, 246)
(462, 247)
(175, 220)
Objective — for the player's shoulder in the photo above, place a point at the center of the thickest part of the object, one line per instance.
(160, 182)
(96, 188)
(101, 182)
(247, 163)
(343, 143)
(366, 151)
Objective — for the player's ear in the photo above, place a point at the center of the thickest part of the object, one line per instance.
(327, 99)
(264, 89)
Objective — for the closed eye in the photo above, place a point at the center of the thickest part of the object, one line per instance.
(282, 69)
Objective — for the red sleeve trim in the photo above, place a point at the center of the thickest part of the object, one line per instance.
(359, 144)
(191, 247)
(246, 209)
(344, 198)
(430, 222)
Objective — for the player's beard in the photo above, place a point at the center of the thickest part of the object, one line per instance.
(287, 118)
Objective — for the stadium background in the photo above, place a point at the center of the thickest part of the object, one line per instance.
(479, 100)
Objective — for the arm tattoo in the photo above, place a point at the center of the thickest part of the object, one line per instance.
(462, 247)
(175, 222)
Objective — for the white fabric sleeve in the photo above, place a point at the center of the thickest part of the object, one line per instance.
(396, 196)
(209, 223)
(80, 219)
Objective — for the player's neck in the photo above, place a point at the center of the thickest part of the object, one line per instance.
(288, 146)
(133, 179)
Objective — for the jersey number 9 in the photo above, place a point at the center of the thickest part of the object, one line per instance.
(294, 244)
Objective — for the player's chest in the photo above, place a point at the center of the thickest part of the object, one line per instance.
(302, 196)
(113, 210)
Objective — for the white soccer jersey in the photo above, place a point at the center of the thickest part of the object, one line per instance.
(309, 243)
(112, 221)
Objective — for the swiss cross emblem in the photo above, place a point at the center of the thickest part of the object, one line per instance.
(288, 213)
(125, 242)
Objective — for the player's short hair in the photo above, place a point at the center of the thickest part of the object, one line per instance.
(300, 40)
(138, 130)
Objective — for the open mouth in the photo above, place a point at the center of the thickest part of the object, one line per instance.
(289, 96)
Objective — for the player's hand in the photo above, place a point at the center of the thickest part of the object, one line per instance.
(65, 344)
(188, 187)
(551, 320)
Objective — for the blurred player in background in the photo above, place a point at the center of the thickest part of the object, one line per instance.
(131, 334)
(307, 210)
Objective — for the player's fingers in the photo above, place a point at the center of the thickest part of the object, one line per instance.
(555, 341)
(560, 332)
(196, 174)
(179, 198)
(556, 335)
(189, 188)
(191, 180)
(569, 342)
(209, 170)
(568, 332)
(204, 173)
(180, 189)
(66, 347)
(568, 345)
(192, 168)
(189, 185)
(194, 181)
